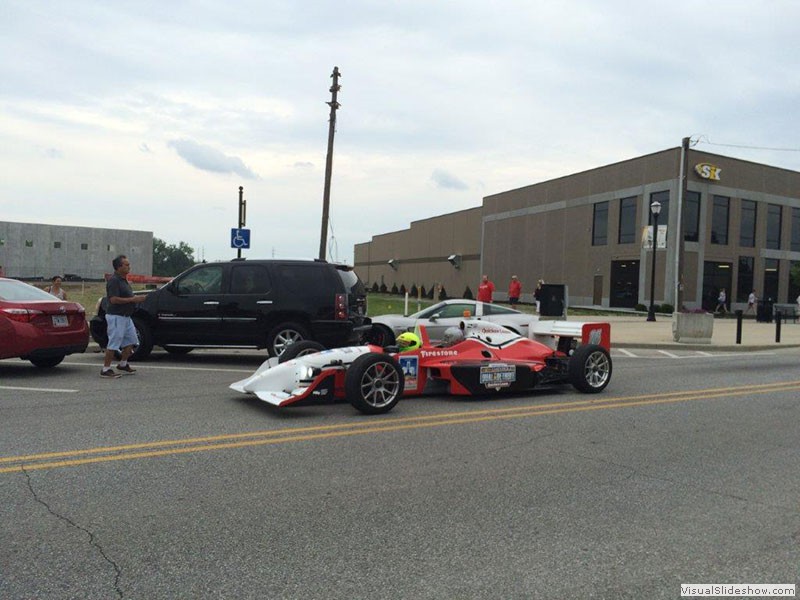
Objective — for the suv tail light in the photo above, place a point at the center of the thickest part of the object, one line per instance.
(22, 315)
(341, 307)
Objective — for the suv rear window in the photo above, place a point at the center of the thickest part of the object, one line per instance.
(352, 283)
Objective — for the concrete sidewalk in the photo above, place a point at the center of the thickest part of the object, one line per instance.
(634, 331)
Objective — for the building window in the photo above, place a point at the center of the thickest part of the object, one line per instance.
(56, 244)
(719, 220)
(745, 278)
(774, 227)
(29, 243)
(794, 281)
(600, 228)
(663, 216)
(747, 231)
(627, 221)
(84, 246)
(691, 217)
(795, 230)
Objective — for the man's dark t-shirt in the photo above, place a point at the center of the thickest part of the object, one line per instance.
(117, 286)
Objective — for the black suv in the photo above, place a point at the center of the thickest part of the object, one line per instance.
(249, 304)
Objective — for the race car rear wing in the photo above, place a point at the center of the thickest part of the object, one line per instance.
(555, 333)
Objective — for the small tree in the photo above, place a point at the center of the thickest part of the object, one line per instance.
(394, 289)
(431, 292)
(468, 294)
(414, 291)
(383, 288)
(443, 293)
(375, 287)
(422, 292)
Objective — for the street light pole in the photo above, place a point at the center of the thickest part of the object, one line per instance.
(655, 209)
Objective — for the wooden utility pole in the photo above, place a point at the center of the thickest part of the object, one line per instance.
(326, 197)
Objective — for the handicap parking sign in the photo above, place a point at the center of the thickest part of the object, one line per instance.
(240, 238)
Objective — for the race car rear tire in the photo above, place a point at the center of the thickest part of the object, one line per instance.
(374, 383)
(380, 335)
(300, 349)
(589, 369)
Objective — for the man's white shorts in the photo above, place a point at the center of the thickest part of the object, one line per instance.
(121, 332)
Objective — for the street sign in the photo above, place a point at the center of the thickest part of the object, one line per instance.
(240, 239)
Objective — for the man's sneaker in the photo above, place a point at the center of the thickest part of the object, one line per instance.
(109, 374)
(127, 369)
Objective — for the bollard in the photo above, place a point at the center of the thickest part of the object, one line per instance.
(778, 316)
(739, 314)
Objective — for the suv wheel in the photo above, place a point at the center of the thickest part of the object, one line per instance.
(284, 335)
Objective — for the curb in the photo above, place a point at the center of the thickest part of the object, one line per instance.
(704, 347)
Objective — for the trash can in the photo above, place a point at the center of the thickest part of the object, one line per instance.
(553, 300)
(764, 311)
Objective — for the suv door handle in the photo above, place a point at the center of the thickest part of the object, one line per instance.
(211, 303)
(264, 302)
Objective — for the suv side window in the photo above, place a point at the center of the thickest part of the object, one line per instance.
(205, 280)
(299, 279)
(250, 279)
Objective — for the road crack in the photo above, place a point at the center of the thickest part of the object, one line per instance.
(92, 540)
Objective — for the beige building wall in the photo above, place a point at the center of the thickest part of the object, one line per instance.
(545, 231)
(420, 254)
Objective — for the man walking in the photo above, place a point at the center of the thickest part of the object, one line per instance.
(121, 332)
(485, 290)
(514, 290)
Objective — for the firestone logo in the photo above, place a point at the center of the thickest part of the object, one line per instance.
(429, 353)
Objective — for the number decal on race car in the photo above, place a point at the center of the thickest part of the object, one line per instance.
(498, 376)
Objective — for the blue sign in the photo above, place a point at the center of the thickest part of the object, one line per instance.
(240, 238)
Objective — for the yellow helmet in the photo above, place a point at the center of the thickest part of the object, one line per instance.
(408, 341)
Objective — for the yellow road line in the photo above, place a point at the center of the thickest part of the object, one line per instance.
(298, 434)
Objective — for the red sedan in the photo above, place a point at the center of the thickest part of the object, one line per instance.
(38, 327)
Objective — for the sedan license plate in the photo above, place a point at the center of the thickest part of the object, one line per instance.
(498, 376)
(60, 321)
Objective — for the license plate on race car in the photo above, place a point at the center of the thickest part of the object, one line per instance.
(498, 376)
(60, 321)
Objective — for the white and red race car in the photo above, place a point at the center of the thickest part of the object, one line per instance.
(487, 360)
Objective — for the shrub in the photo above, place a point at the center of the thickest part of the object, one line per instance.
(414, 291)
(375, 286)
(431, 292)
(443, 294)
(422, 292)
(468, 294)
(395, 291)
(667, 308)
(383, 288)
(403, 289)
(641, 308)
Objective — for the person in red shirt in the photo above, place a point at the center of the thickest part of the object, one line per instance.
(514, 290)
(485, 290)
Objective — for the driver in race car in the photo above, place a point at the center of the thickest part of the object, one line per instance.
(452, 335)
(407, 342)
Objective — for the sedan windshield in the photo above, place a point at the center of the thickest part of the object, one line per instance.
(16, 291)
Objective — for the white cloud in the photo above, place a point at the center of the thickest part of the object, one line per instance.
(210, 159)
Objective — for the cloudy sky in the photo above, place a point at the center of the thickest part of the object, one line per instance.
(151, 114)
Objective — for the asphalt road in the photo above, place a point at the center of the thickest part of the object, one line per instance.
(167, 484)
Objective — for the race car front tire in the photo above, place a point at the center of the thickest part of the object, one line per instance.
(589, 369)
(300, 349)
(374, 383)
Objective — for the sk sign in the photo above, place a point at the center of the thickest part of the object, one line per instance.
(708, 171)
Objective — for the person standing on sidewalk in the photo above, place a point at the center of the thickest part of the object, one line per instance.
(485, 290)
(722, 299)
(121, 332)
(751, 302)
(514, 290)
(537, 294)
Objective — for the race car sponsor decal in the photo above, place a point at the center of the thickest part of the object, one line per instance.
(430, 353)
(498, 376)
(409, 365)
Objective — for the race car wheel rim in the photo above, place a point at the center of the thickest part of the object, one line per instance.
(597, 369)
(380, 385)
